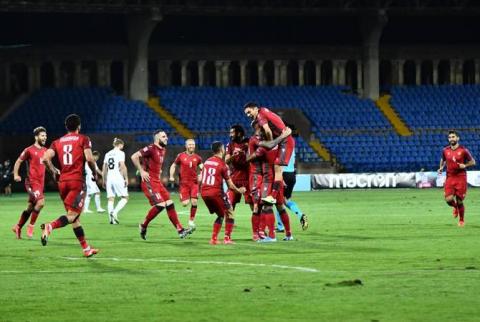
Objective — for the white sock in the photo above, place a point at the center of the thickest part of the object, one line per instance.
(87, 202)
(110, 206)
(97, 201)
(119, 206)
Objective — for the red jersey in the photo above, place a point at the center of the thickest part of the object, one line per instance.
(214, 172)
(69, 150)
(454, 158)
(238, 166)
(35, 167)
(153, 156)
(256, 164)
(265, 116)
(188, 167)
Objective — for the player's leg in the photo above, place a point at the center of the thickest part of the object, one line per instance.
(98, 204)
(269, 220)
(34, 216)
(88, 251)
(88, 198)
(229, 224)
(17, 228)
(217, 226)
(233, 197)
(286, 222)
(118, 189)
(193, 194)
(120, 204)
(460, 194)
(280, 227)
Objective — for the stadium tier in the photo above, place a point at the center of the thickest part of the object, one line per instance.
(101, 110)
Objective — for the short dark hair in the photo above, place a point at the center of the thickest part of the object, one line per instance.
(238, 129)
(96, 153)
(250, 104)
(156, 132)
(216, 146)
(117, 141)
(453, 132)
(38, 130)
(72, 122)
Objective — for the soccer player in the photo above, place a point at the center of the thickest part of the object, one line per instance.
(190, 163)
(150, 170)
(72, 151)
(255, 178)
(458, 159)
(236, 155)
(92, 187)
(34, 183)
(115, 179)
(214, 172)
(273, 127)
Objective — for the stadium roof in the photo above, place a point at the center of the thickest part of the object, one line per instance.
(246, 7)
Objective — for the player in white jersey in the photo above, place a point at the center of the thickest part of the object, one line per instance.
(115, 179)
(92, 187)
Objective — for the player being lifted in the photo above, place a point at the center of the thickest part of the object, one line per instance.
(150, 170)
(236, 158)
(189, 164)
(273, 127)
(115, 179)
(458, 159)
(72, 151)
(92, 187)
(214, 172)
(34, 182)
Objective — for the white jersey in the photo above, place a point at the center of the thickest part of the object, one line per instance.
(91, 184)
(112, 160)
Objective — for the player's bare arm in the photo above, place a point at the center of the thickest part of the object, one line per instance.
(199, 176)
(136, 162)
(104, 174)
(271, 144)
(91, 162)
(16, 167)
(440, 167)
(268, 132)
(172, 172)
(124, 172)
(47, 160)
(233, 187)
(469, 164)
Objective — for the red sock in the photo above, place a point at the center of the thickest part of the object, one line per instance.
(23, 218)
(217, 226)
(172, 215)
(152, 213)
(229, 227)
(193, 212)
(286, 222)
(269, 219)
(33, 217)
(262, 223)
(461, 211)
(452, 204)
(60, 222)
(255, 222)
(80, 236)
(276, 188)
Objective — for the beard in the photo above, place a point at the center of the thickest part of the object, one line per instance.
(452, 143)
(41, 143)
(162, 144)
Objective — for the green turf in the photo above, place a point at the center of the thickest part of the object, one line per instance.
(414, 264)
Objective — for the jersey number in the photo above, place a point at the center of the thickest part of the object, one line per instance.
(111, 163)
(67, 154)
(208, 177)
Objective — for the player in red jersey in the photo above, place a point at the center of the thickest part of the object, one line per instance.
(236, 158)
(273, 127)
(458, 159)
(72, 151)
(150, 168)
(255, 178)
(189, 163)
(214, 172)
(34, 182)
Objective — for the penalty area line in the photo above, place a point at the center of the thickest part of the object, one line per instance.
(182, 261)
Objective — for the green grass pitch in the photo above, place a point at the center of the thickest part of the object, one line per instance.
(413, 262)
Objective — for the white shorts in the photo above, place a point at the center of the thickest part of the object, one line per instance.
(92, 187)
(116, 188)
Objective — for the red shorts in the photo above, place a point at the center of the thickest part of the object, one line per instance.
(217, 204)
(255, 183)
(235, 198)
(35, 191)
(285, 150)
(456, 186)
(188, 190)
(155, 192)
(73, 194)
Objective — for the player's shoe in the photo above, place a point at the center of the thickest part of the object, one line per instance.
(267, 240)
(183, 233)
(261, 235)
(213, 241)
(113, 219)
(461, 223)
(228, 240)
(89, 251)
(86, 211)
(255, 237)
(455, 212)
(280, 230)
(191, 224)
(143, 231)
(17, 231)
(269, 200)
(30, 230)
(101, 210)
(304, 222)
(288, 238)
(46, 231)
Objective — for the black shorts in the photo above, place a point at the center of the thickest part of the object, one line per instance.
(290, 178)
